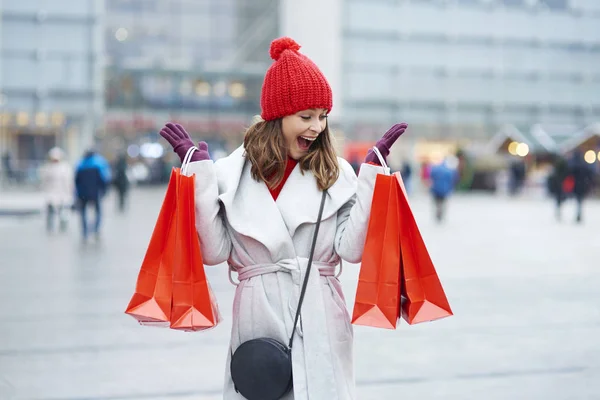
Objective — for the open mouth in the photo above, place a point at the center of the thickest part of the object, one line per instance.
(304, 142)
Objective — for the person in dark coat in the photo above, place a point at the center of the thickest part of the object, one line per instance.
(556, 180)
(92, 178)
(516, 177)
(7, 166)
(406, 174)
(120, 181)
(583, 176)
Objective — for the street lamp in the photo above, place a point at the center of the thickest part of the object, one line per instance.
(121, 34)
(590, 156)
(522, 149)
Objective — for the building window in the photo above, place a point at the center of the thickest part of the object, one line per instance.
(555, 4)
(514, 3)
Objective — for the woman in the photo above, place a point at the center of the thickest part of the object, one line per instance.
(257, 209)
(56, 178)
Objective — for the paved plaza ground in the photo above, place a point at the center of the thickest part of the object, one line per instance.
(524, 288)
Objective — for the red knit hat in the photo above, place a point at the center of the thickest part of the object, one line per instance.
(293, 83)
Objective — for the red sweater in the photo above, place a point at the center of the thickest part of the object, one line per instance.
(291, 164)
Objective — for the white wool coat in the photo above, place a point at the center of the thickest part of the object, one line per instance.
(57, 183)
(268, 244)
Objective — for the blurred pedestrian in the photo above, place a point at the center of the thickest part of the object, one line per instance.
(8, 167)
(257, 209)
(355, 164)
(56, 180)
(406, 173)
(121, 181)
(92, 178)
(516, 178)
(556, 182)
(163, 170)
(582, 175)
(425, 172)
(443, 179)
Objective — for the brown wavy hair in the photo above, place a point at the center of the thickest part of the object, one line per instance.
(266, 150)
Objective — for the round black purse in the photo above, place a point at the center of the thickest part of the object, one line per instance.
(261, 369)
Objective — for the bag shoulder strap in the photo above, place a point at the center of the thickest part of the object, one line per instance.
(308, 268)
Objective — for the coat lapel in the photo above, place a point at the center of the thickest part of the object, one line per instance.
(252, 212)
(250, 208)
(300, 197)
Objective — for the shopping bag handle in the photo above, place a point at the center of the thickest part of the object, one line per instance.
(186, 160)
(381, 160)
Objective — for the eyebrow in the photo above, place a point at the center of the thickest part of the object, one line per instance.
(316, 109)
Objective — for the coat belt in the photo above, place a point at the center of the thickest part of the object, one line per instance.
(290, 265)
(317, 348)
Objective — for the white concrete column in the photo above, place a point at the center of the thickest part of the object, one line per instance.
(316, 25)
(3, 130)
(72, 146)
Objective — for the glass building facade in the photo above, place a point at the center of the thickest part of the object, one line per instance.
(51, 76)
(462, 68)
(200, 62)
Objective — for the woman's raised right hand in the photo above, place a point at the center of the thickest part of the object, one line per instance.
(181, 142)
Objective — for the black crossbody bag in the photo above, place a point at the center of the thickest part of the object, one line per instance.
(261, 369)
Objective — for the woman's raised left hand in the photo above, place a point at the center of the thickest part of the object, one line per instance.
(385, 143)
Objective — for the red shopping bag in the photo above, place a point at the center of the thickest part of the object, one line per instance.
(194, 306)
(377, 301)
(151, 302)
(423, 298)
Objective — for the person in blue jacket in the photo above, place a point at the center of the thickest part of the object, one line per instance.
(92, 178)
(443, 179)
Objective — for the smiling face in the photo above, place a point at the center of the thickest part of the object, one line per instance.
(301, 129)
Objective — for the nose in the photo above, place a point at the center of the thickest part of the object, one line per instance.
(315, 127)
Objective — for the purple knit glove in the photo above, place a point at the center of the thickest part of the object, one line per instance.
(385, 143)
(181, 142)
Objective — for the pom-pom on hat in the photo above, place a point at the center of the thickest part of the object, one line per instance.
(293, 83)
